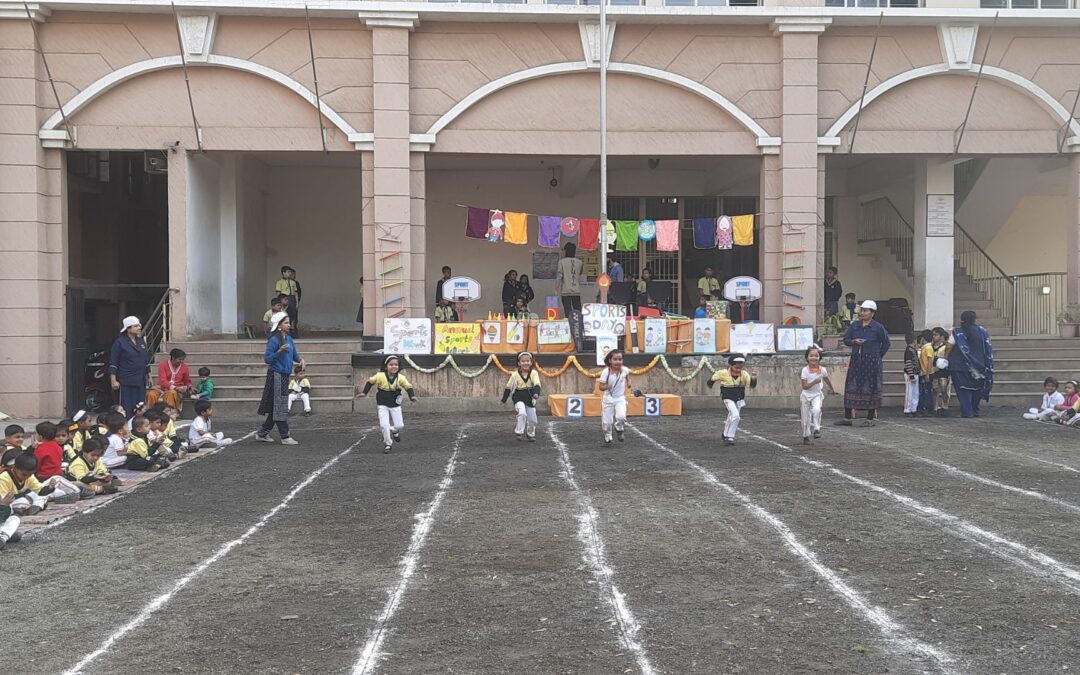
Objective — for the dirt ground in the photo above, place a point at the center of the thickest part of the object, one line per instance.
(940, 545)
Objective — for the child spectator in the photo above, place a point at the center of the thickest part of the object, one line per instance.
(940, 375)
(9, 522)
(702, 311)
(31, 496)
(50, 464)
(88, 471)
(848, 310)
(289, 287)
(64, 428)
(708, 284)
(204, 390)
(200, 434)
(158, 423)
(911, 374)
(117, 439)
(174, 380)
(525, 290)
(144, 454)
(83, 430)
(300, 388)
(14, 437)
(1050, 401)
(1064, 411)
(926, 367)
(170, 428)
(509, 291)
(277, 304)
(444, 313)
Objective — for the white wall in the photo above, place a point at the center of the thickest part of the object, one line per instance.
(1033, 239)
(866, 276)
(203, 244)
(313, 225)
(252, 264)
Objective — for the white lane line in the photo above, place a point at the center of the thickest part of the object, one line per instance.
(592, 552)
(984, 444)
(956, 471)
(134, 488)
(1033, 561)
(160, 601)
(895, 633)
(372, 651)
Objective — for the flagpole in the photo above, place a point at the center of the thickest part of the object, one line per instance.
(603, 137)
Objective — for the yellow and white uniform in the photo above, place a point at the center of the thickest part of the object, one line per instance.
(300, 389)
(388, 397)
(811, 399)
(613, 402)
(733, 393)
(524, 391)
(26, 492)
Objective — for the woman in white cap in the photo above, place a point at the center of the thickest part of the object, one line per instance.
(869, 341)
(280, 357)
(129, 364)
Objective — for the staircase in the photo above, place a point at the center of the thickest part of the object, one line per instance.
(238, 372)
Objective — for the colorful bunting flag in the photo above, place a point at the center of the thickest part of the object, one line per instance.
(549, 231)
(476, 224)
(626, 235)
(517, 231)
(743, 227)
(590, 234)
(667, 235)
(704, 233)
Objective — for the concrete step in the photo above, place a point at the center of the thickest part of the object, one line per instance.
(254, 391)
(247, 406)
(259, 346)
(259, 368)
(1025, 387)
(226, 378)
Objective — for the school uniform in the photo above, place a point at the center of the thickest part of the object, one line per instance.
(9, 524)
(78, 438)
(388, 390)
(300, 390)
(940, 380)
(524, 391)
(911, 380)
(92, 476)
(200, 435)
(115, 455)
(926, 384)
(708, 285)
(142, 455)
(733, 394)
(810, 399)
(28, 493)
(1048, 408)
(291, 289)
(613, 402)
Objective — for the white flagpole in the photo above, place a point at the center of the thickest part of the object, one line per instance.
(603, 137)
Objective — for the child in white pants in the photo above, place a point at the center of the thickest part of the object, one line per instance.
(389, 385)
(813, 375)
(29, 496)
(300, 388)
(1050, 400)
(9, 522)
(614, 380)
(733, 382)
(524, 386)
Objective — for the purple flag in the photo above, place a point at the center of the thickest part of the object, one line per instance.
(549, 231)
(476, 225)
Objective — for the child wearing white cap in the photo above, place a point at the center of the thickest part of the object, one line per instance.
(733, 383)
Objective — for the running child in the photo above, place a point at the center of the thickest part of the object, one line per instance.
(733, 382)
(813, 375)
(1050, 400)
(389, 384)
(524, 387)
(613, 380)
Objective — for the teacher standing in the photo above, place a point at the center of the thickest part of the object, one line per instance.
(971, 364)
(280, 356)
(869, 341)
(129, 364)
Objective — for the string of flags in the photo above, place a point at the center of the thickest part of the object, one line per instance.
(511, 227)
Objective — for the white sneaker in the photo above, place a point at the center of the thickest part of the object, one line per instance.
(225, 441)
(289, 440)
(220, 436)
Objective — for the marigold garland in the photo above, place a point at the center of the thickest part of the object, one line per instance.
(570, 361)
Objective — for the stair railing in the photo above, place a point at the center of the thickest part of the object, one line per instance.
(880, 220)
(157, 330)
(1037, 301)
(996, 286)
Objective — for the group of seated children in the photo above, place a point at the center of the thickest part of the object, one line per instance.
(74, 459)
(1057, 407)
(926, 373)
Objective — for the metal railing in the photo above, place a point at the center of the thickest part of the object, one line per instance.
(991, 280)
(157, 329)
(1037, 301)
(881, 221)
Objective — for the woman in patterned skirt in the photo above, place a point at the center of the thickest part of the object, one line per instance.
(280, 356)
(869, 341)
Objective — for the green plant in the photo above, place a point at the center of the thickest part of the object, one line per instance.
(1071, 314)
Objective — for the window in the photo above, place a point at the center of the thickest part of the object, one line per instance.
(873, 3)
(1025, 4)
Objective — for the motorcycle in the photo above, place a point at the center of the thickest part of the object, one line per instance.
(98, 393)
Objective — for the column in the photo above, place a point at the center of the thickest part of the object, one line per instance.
(367, 242)
(933, 251)
(1072, 263)
(32, 251)
(178, 241)
(231, 246)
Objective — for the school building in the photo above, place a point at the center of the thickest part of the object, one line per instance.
(167, 163)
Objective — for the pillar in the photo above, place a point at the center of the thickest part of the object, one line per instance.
(1072, 264)
(32, 252)
(231, 246)
(933, 250)
(178, 237)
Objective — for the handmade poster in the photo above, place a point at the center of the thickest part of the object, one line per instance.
(604, 344)
(492, 332)
(655, 336)
(716, 309)
(496, 226)
(753, 338)
(603, 319)
(553, 332)
(515, 332)
(457, 338)
(545, 264)
(407, 336)
(705, 335)
(794, 338)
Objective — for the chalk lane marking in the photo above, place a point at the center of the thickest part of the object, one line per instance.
(1039, 564)
(372, 651)
(895, 633)
(991, 446)
(592, 552)
(160, 601)
(956, 471)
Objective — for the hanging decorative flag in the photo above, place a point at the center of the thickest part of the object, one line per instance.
(667, 235)
(723, 233)
(704, 233)
(476, 224)
(626, 235)
(549, 231)
(743, 227)
(610, 235)
(496, 225)
(590, 234)
(647, 230)
(570, 226)
(517, 230)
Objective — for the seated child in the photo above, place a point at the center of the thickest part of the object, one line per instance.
(14, 437)
(50, 459)
(300, 388)
(9, 522)
(199, 433)
(64, 429)
(83, 430)
(159, 422)
(116, 439)
(1063, 412)
(142, 453)
(204, 390)
(702, 311)
(1050, 400)
(31, 496)
(170, 428)
(88, 471)
(444, 313)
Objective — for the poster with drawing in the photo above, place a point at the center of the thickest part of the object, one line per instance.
(407, 336)
(457, 338)
(515, 332)
(492, 332)
(794, 338)
(553, 332)
(655, 336)
(604, 344)
(705, 335)
(600, 319)
(753, 338)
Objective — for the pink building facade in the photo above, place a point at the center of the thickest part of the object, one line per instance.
(145, 150)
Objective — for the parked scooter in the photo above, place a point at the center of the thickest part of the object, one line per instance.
(98, 392)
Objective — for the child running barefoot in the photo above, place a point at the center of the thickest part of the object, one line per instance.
(733, 382)
(813, 375)
(614, 381)
(389, 384)
(1050, 400)
(524, 386)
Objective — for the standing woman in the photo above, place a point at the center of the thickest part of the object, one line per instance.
(971, 364)
(509, 291)
(129, 364)
(869, 341)
(280, 356)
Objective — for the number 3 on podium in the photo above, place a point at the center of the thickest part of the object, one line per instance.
(652, 406)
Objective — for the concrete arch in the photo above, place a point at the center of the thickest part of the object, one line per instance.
(126, 73)
(1006, 77)
(764, 140)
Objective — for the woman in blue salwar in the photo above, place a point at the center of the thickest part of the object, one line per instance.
(869, 341)
(971, 364)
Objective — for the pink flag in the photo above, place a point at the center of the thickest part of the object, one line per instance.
(667, 235)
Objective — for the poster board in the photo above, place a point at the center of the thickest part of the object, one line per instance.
(544, 264)
(604, 344)
(704, 335)
(515, 332)
(492, 332)
(600, 319)
(656, 337)
(457, 338)
(716, 309)
(794, 338)
(407, 336)
(553, 332)
(753, 338)
(939, 215)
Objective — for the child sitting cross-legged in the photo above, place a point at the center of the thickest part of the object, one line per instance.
(159, 423)
(31, 496)
(200, 434)
(9, 522)
(1064, 412)
(300, 388)
(50, 465)
(116, 439)
(88, 471)
(142, 453)
(1050, 400)
(64, 429)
